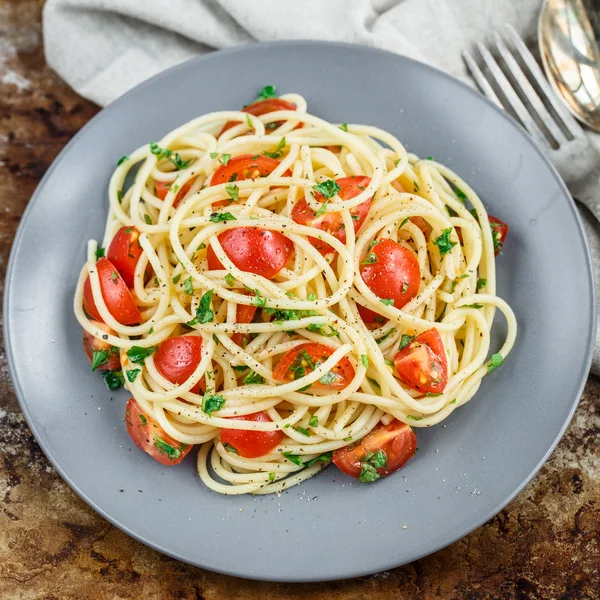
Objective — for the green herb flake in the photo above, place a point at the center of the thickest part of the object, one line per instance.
(471, 306)
(326, 458)
(404, 287)
(302, 430)
(249, 121)
(212, 403)
(219, 217)
(188, 286)
(233, 191)
(214, 154)
(147, 219)
(113, 379)
(404, 222)
(278, 151)
(443, 242)
(364, 359)
(328, 188)
(432, 395)
(230, 279)
(413, 418)
(253, 378)
(224, 158)
(460, 194)
(258, 300)
(386, 301)
(481, 283)
(173, 157)
(99, 253)
(132, 374)
(344, 127)
(496, 361)
(168, 450)
(122, 160)
(295, 458)
(204, 312)
(271, 476)
(267, 92)
(370, 259)
(328, 378)
(177, 278)
(313, 421)
(322, 208)
(138, 354)
(230, 448)
(143, 419)
(347, 439)
(453, 401)
(406, 340)
(99, 358)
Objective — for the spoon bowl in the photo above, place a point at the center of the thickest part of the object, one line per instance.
(569, 36)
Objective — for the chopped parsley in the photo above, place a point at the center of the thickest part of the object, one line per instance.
(322, 208)
(212, 403)
(443, 242)
(170, 451)
(481, 283)
(386, 301)
(171, 156)
(138, 354)
(122, 160)
(295, 458)
(278, 151)
(188, 286)
(143, 419)
(230, 279)
(413, 418)
(204, 313)
(218, 217)
(344, 127)
(370, 259)
(404, 287)
(230, 448)
(321, 458)
(406, 340)
(314, 421)
(99, 253)
(267, 92)
(176, 278)
(302, 430)
(495, 362)
(460, 194)
(326, 330)
(99, 358)
(432, 395)
(271, 476)
(328, 188)
(132, 374)
(147, 219)
(259, 300)
(328, 378)
(253, 378)
(369, 465)
(404, 222)
(224, 158)
(364, 359)
(471, 306)
(233, 191)
(113, 379)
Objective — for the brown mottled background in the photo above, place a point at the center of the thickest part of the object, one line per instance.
(545, 545)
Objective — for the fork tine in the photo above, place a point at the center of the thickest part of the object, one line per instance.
(512, 97)
(528, 91)
(480, 79)
(570, 123)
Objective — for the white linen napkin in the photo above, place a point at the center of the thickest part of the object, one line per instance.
(102, 48)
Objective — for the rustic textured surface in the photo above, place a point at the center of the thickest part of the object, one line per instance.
(546, 544)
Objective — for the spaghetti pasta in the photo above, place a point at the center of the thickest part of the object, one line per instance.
(255, 246)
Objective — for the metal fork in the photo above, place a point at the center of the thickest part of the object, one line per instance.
(559, 135)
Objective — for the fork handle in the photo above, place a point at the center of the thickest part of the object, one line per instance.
(587, 191)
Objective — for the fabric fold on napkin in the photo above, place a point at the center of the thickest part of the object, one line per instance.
(103, 48)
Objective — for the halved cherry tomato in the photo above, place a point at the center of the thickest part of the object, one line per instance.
(177, 358)
(162, 189)
(262, 107)
(91, 344)
(333, 223)
(396, 441)
(423, 225)
(116, 294)
(423, 365)
(371, 319)
(303, 359)
(254, 250)
(391, 272)
(245, 166)
(243, 314)
(499, 233)
(124, 252)
(252, 444)
(150, 437)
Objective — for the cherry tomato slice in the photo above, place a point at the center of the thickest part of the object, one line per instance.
(245, 166)
(333, 223)
(396, 440)
(254, 250)
(243, 314)
(124, 252)
(302, 360)
(252, 444)
(150, 437)
(116, 295)
(423, 365)
(499, 233)
(392, 272)
(91, 344)
(177, 358)
(162, 189)
(262, 107)
(371, 319)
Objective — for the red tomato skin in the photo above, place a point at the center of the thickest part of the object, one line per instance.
(116, 294)
(396, 269)
(243, 314)
(370, 317)
(423, 365)
(177, 358)
(252, 444)
(501, 229)
(91, 343)
(397, 440)
(343, 370)
(143, 428)
(253, 250)
(124, 252)
(245, 166)
(162, 189)
(262, 107)
(332, 222)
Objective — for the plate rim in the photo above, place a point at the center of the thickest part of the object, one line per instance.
(103, 113)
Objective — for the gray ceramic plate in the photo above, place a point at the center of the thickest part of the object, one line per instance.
(331, 527)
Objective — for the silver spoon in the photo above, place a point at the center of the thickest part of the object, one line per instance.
(569, 38)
